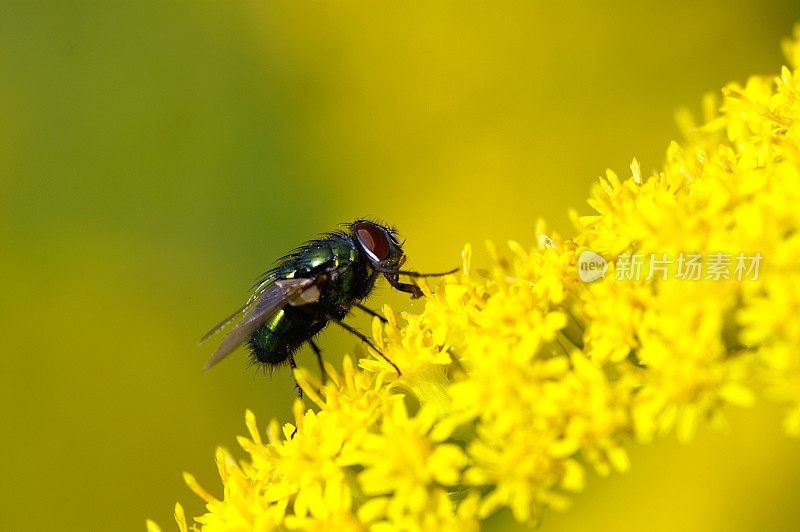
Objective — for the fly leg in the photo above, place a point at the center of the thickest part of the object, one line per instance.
(412, 289)
(371, 312)
(294, 366)
(299, 389)
(363, 338)
(319, 359)
(393, 276)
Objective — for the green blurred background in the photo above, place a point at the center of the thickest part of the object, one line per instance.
(155, 157)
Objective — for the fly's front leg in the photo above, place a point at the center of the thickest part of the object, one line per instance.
(412, 289)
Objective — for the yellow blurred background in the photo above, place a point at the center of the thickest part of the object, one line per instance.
(155, 157)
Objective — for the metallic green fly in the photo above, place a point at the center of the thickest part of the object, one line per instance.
(315, 285)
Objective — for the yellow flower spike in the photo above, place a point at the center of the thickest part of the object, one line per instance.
(180, 518)
(377, 333)
(297, 412)
(636, 171)
(152, 526)
(613, 183)
(791, 423)
(334, 376)
(348, 372)
(388, 313)
(737, 395)
(329, 509)
(491, 249)
(446, 464)
(310, 384)
(224, 462)
(574, 476)
(373, 509)
(273, 432)
(619, 459)
(517, 381)
(424, 286)
(198, 490)
(466, 262)
(517, 249)
(252, 427)
(686, 424)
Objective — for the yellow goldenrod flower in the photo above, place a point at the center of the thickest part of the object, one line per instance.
(516, 378)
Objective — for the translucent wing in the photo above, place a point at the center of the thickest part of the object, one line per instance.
(221, 325)
(259, 290)
(259, 309)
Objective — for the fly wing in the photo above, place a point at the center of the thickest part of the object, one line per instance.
(260, 288)
(224, 323)
(257, 312)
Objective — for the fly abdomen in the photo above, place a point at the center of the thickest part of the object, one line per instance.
(267, 348)
(282, 335)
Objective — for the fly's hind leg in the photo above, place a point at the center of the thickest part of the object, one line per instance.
(319, 359)
(294, 366)
(299, 390)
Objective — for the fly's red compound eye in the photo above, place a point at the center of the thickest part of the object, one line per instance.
(374, 240)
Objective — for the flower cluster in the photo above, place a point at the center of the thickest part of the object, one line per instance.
(518, 378)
